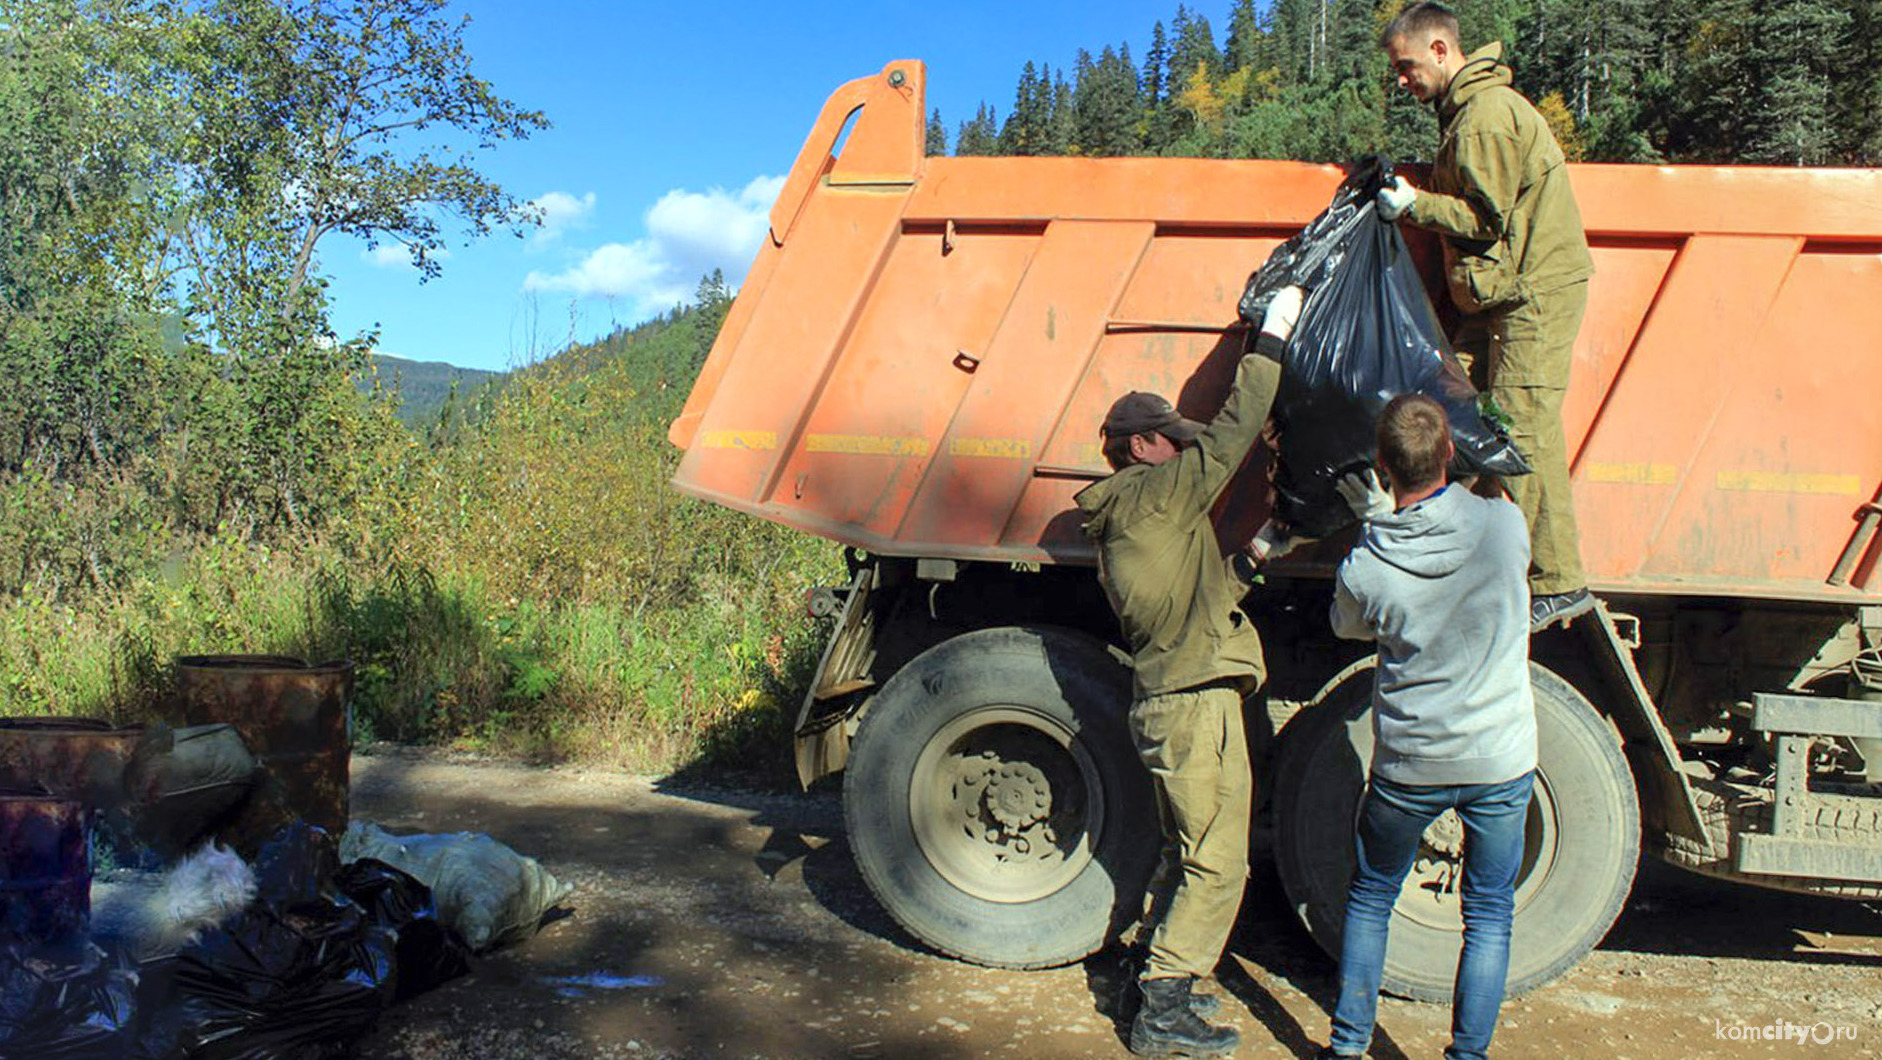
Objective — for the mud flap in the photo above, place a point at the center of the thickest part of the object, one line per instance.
(1648, 743)
(822, 741)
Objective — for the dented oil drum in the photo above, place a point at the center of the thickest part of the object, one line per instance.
(74, 758)
(45, 866)
(292, 715)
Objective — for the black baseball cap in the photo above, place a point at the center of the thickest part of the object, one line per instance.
(1140, 412)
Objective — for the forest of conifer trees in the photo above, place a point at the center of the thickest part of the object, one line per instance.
(1781, 82)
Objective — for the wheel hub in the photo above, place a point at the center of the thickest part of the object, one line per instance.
(1007, 813)
(1006, 806)
(1018, 795)
(1445, 837)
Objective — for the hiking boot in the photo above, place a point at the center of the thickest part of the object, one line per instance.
(1168, 1026)
(1558, 608)
(1129, 997)
(1208, 1006)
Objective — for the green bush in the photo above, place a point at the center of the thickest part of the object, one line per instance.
(534, 588)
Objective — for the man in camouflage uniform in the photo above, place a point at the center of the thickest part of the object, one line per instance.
(1517, 262)
(1195, 653)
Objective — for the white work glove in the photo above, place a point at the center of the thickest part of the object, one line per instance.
(1283, 312)
(1272, 541)
(1394, 198)
(1364, 495)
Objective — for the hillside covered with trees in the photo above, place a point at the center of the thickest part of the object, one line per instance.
(429, 392)
(1783, 82)
(192, 460)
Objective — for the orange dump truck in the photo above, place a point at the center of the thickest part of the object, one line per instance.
(917, 365)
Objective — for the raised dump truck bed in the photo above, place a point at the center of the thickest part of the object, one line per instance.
(920, 357)
(917, 366)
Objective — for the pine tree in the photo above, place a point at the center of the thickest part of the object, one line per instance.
(1482, 21)
(1597, 55)
(1062, 123)
(979, 136)
(1106, 106)
(1246, 40)
(712, 299)
(1858, 77)
(1712, 93)
(1354, 57)
(1294, 29)
(1794, 123)
(1192, 48)
(937, 134)
(1025, 130)
(1156, 63)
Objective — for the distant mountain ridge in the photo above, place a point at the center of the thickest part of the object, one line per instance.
(423, 386)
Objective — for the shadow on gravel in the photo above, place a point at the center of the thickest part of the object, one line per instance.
(830, 875)
(806, 826)
(680, 942)
(1682, 914)
(1269, 937)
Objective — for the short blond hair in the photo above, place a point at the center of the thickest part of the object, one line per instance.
(1414, 441)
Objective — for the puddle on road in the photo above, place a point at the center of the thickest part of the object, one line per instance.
(579, 985)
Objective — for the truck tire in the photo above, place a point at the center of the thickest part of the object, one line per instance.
(994, 801)
(1582, 848)
(1729, 810)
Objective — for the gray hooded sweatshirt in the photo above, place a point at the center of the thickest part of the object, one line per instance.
(1443, 587)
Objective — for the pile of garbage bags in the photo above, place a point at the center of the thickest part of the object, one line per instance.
(1367, 333)
(487, 893)
(293, 955)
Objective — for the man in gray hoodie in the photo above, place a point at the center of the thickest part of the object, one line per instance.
(1439, 579)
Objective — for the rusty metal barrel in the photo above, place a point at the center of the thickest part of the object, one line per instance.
(45, 866)
(292, 715)
(75, 758)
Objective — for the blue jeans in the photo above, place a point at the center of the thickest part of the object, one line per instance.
(1391, 820)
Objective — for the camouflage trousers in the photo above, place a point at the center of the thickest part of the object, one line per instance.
(1521, 356)
(1194, 746)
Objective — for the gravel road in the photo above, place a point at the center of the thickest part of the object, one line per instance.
(711, 922)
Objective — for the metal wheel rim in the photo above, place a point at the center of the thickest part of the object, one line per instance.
(977, 865)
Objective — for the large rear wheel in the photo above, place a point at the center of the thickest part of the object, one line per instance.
(1581, 849)
(994, 802)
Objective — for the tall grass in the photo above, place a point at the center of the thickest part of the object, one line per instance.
(535, 587)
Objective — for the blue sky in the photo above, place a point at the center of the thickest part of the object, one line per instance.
(674, 126)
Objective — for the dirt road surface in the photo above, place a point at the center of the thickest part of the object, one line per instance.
(711, 922)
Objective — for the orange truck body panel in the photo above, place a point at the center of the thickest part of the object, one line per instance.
(919, 359)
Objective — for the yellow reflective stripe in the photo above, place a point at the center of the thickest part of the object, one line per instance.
(1633, 474)
(867, 444)
(1789, 482)
(1004, 448)
(739, 439)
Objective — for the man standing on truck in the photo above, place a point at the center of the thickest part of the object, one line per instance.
(1195, 653)
(1517, 262)
(1437, 579)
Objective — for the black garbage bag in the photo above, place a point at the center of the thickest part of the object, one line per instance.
(1367, 334)
(296, 864)
(74, 1003)
(287, 982)
(427, 952)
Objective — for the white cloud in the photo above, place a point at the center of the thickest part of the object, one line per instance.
(560, 212)
(689, 234)
(396, 255)
(617, 270)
